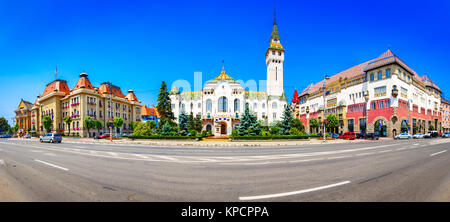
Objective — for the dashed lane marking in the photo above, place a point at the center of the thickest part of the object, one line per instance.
(293, 192)
(52, 165)
(434, 154)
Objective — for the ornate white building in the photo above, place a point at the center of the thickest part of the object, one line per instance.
(223, 99)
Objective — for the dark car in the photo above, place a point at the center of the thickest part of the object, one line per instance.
(433, 134)
(361, 135)
(5, 136)
(372, 136)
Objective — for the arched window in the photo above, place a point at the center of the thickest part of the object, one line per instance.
(208, 128)
(192, 106)
(255, 106)
(208, 105)
(183, 109)
(263, 105)
(223, 104)
(274, 105)
(236, 105)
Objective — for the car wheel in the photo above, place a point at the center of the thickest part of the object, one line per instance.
(59, 141)
(40, 141)
(51, 141)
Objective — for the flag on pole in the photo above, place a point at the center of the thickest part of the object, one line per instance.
(56, 70)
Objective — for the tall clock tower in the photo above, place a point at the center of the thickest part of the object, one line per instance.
(274, 63)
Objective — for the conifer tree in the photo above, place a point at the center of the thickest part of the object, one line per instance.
(286, 121)
(164, 106)
(249, 125)
(166, 129)
(183, 124)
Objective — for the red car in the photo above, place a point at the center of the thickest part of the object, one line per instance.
(349, 136)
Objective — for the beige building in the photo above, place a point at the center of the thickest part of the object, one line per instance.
(101, 103)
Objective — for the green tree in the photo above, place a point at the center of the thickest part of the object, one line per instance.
(249, 124)
(4, 126)
(166, 129)
(164, 106)
(47, 123)
(296, 123)
(88, 123)
(117, 123)
(68, 120)
(183, 124)
(190, 124)
(15, 128)
(332, 120)
(98, 124)
(275, 130)
(198, 123)
(134, 124)
(313, 123)
(286, 121)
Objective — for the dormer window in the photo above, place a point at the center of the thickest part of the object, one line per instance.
(273, 52)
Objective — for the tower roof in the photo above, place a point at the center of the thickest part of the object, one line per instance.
(295, 97)
(83, 82)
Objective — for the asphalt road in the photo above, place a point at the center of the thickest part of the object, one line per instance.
(407, 170)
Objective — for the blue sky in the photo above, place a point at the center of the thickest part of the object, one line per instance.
(136, 44)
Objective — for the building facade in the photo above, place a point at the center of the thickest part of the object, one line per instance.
(23, 117)
(445, 107)
(382, 95)
(222, 100)
(150, 113)
(101, 103)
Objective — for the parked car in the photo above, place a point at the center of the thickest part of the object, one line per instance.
(102, 136)
(334, 135)
(372, 136)
(427, 135)
(360, 135)
(26, 136)
(418, 136)
(51, 138)
(445, 135)
(403, 136)
(434, 133)
(349, 136)
(5, 136)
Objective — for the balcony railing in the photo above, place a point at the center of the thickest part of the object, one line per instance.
(75, 116)
(74, 104)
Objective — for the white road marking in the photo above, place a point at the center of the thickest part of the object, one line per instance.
(404, 148)
(438, 153)
(112, 154)
(293, 192)
(299, 161)
(49, 154)
(363, 154)
(141, 156)
(415, 144)
(337, 157)
(166, 157)
(52, 165)
(385, 151)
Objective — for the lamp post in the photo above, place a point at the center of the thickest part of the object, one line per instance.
(324, 105)
(109, 109)
(366, 98)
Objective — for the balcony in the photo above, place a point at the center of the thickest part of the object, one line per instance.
(76, 116)
(92, 115)
(74, 104)
(91, 103)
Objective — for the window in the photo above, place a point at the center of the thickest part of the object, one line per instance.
(372, 77)
(263, 105)
(380, 91)
(199, 105)
(255, 105)
(274, 115)
(236, 105)
(183, 109)
(223, 102)
(388, 73)
(208, 105)
(380, 75)
(274, 105)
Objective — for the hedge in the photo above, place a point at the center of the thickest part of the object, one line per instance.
(161, 137)
(272, 137)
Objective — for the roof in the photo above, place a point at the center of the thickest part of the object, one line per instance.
(25, 105)
(149, 111)
(130, 96)
(295, 97)
(105, 89)
(83, 82)
(428, 82)
(58, 86)
(223, 76)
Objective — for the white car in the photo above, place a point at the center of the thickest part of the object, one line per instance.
(418, 136)
(403, 136)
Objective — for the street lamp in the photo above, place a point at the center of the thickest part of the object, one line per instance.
(366, 98)
(324, 104)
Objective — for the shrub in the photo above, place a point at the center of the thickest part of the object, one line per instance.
(294, 132)
(234, 133)
(272, 137)
(275, 130)
(192, 133)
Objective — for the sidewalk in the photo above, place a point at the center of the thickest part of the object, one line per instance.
(220, 143)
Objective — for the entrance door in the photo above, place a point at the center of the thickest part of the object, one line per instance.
(223, 128)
